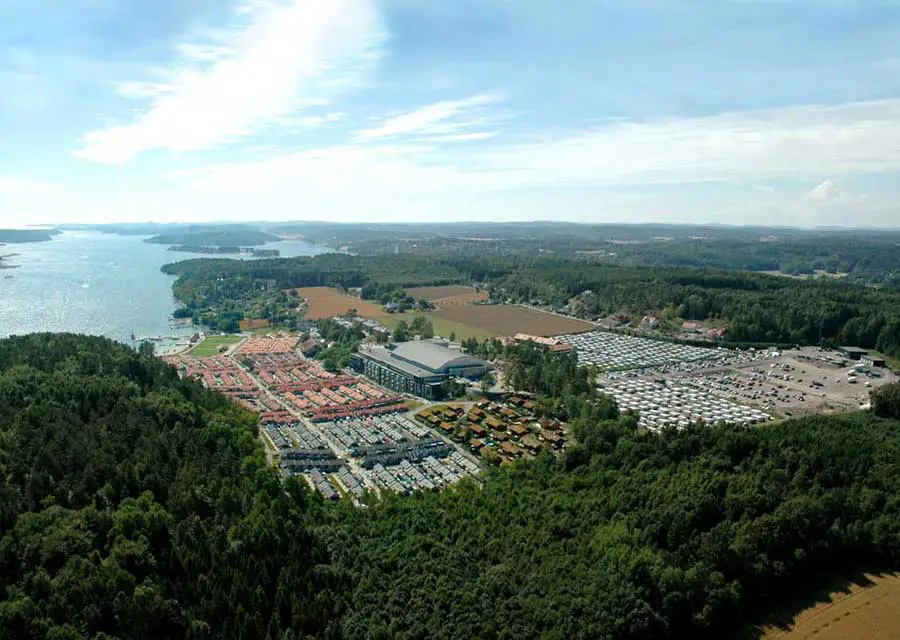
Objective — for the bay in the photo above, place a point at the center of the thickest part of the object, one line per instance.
(98, 284)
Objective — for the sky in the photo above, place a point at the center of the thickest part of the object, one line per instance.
(756, 112)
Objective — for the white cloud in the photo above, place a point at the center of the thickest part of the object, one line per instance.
(796, 142)
(282, 56)
(435, 119)
(825, 192)
(310, 122)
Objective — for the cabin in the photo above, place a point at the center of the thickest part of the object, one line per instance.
(519, 430)
(512, 450)
(531, 444)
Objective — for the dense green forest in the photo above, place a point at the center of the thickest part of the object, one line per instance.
(869, 256)
(214, 236)
(138, 505)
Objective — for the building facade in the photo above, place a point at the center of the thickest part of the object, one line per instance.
(417, 368)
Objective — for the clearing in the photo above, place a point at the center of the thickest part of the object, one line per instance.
(859, 612)
(508, 320)
(210, 346)
(325, 302)
(448, 295)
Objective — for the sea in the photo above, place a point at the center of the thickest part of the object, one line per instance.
(99, 284)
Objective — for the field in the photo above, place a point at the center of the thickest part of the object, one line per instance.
(442, 326)
(251, 325)
(210, 346)
(325, 302)
(451, 295)
(508, 320)
(859, 612)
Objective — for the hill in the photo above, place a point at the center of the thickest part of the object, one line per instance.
(135, 504)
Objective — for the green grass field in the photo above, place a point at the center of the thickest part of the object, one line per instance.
(442, 326)
(210, 346)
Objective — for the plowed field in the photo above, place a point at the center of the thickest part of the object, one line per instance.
(508, 320)
(325, 302)
(869, 612)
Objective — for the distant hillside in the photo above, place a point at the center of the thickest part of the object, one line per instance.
(20, 236)
(205, 237)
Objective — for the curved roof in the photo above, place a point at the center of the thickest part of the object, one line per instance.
(435, 357)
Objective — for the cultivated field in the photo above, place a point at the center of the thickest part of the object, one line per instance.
(325, 302)
(210, 346)
(508, 320)
(253, 324)
(442, 326)
(870, 612)
(451, 295)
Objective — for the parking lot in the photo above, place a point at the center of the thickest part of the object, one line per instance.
(664, 404)
(782, 384)
(614, 352)
(429, 473)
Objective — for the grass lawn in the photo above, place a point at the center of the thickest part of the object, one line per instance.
(210, 346)
(442, 326)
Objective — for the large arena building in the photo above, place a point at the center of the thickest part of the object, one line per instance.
(418, 368)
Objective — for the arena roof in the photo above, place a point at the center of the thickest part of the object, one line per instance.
(435, 357)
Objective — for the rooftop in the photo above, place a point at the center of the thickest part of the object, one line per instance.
(854, 350)
(434, 357)
(383, 355)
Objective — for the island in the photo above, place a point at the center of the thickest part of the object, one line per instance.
(215, 236)
(22, 236)
(243, 251)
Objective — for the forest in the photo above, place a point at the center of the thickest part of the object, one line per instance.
(214, 236)
(756, 308)
(134, 504)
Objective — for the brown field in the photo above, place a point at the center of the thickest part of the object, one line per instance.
(248, 325)
(858, 613)
(508, 320)
(451, 295)
(325, 302)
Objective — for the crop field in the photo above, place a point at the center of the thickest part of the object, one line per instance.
(442, 326)
(210, 346)
(859, 613)
(452, 295)
(254, 324)
(508, 320)
(325, 302)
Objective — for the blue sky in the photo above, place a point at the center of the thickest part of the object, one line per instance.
(727, 111)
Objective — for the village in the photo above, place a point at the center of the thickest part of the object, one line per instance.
(383, 424)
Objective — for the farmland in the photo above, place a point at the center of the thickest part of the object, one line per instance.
(508, 320)
(452, 295)
(325, 302)
(211, 345)
(860, 612)
(442, 326)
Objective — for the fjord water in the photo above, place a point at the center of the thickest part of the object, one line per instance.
(95, 283)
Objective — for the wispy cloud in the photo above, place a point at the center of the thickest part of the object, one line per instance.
(279, 57)
(796, 142)
(454, 119)
(737, 148)
(825, 192)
